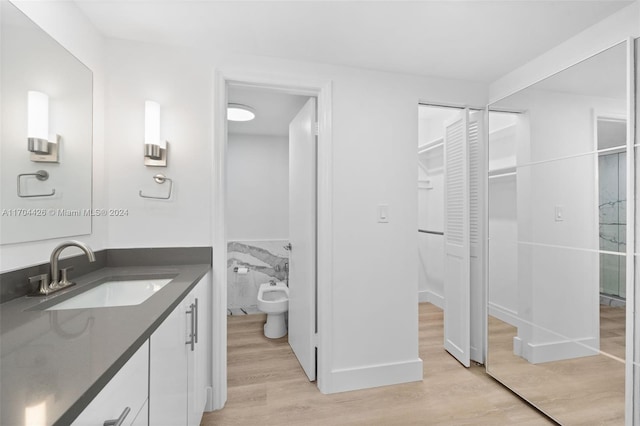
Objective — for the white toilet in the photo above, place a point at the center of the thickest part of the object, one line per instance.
(273, 300)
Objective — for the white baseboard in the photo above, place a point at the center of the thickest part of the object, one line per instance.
(537, 353)
(503, 314)
(375, 375)
(431, 297)
(517, 346)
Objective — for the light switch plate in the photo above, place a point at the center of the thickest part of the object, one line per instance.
(383, 213)
(559, 214)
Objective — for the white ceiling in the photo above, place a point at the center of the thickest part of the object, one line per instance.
(274, 111)
(471, 40)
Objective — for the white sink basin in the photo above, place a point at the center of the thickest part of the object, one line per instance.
(114, 293)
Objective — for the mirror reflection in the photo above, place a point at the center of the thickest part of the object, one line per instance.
(557, 246)
(46, 135)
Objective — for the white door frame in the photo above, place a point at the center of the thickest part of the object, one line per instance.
(284, 84)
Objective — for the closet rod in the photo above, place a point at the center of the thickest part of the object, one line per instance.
(424, 231)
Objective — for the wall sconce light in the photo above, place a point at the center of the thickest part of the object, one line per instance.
(42, 149)
(155, 149)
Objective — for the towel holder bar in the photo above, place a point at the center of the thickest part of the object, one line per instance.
(41, 175)
(160, 179)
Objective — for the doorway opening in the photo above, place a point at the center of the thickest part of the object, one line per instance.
(271, 211)
(271, 225)
(450, 224)
(258, 195)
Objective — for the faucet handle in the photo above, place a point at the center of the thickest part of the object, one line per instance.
(43, 282)
(64, 281)
(39, 278)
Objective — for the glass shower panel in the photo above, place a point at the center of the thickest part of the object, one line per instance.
(613, 224)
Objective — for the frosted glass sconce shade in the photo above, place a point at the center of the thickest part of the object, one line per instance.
(38, 122)
(42, 149)
(155, 149)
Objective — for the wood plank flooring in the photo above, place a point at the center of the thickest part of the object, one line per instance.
(266, 386)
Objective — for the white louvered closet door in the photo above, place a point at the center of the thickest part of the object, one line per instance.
(457, 239)
(476, 232)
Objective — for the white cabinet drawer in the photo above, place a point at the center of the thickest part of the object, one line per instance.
(128, 388)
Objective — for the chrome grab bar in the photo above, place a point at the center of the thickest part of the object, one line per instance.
(41, 175)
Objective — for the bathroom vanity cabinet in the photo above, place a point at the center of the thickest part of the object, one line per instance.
(165, 381)
(89, 364)
(125, 396)
(178, 366)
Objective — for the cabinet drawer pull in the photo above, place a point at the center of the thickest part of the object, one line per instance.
(192, 338)
(119, 420)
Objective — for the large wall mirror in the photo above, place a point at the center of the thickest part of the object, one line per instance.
(557, 288)
(46, 134)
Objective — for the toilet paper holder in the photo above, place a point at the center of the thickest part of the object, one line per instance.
(241, 269)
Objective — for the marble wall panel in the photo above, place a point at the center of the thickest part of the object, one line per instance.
(265, 261)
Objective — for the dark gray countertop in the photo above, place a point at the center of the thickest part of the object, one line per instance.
(63, 358)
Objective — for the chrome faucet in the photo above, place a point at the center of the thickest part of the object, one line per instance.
(55, 254)
(56, 284)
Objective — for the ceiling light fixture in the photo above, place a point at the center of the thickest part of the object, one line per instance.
(239, 112)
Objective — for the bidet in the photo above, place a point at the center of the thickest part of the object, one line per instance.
(273, 299)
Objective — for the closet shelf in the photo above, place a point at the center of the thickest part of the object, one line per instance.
(436, 143)
(509, 129)
(502, 171)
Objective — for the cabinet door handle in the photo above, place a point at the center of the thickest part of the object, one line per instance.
(119, 420)
(192, 339)
(195, 315)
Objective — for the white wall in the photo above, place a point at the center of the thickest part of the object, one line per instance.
(608, 32)
(181, 84)
(257, 187)
(68, 25)
(374, 129)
